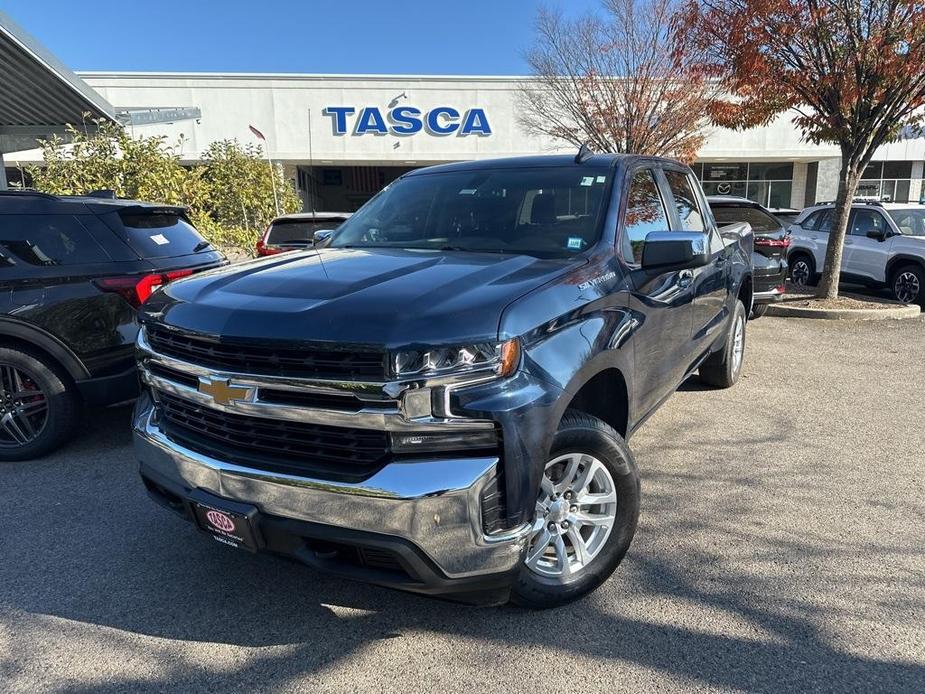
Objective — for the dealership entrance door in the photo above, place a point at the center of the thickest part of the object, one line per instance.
(337, 188)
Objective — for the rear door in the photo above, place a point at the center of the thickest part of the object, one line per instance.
(710, 282)
(663, 340)
(866, 257)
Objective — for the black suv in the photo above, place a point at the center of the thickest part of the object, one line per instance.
(73, 272)
(438, 396)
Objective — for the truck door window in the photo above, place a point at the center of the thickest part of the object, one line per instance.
(645, 213)
(685, 200)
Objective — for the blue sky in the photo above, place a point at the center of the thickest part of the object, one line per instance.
(486, 37)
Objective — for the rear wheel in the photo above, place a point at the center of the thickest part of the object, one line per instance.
(722, 369)
(586, 514)
(38, 412)
(802, 270)
(908, 284)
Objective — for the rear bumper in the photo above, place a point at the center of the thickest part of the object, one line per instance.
(109, 390)
(424, 515)
(768, 296)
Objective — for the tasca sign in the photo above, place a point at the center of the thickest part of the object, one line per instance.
(407, 120)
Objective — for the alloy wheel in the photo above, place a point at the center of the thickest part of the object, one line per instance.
(575, 514)
(23, 407)
(738, 344)
(906, 287)
(799, 273)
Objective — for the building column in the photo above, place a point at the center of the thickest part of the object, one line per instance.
(798, 187)
(2, 173)
(915, 185)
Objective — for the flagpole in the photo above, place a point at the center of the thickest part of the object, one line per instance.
(260, 136)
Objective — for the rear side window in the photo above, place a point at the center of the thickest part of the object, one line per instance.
(49, 240)
(158, 234)
(645, 213)
(820, 220)
(685, 200)
(284, 232)
(761, 221)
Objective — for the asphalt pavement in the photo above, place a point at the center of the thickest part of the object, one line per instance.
(781, 547)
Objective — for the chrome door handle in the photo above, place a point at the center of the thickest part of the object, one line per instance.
(685, 279)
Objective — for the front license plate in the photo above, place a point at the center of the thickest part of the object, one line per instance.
(226, 526)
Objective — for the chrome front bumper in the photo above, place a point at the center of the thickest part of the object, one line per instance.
(433, 504)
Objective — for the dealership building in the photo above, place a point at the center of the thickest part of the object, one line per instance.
(340, 138)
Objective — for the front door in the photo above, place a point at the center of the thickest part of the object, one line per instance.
(865, 257)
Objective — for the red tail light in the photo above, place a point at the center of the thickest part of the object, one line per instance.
(136, 289)
(263, 249)
(772, 243)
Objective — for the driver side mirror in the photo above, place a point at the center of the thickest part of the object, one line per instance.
(675, 250)
(321, 235)
(880, 235)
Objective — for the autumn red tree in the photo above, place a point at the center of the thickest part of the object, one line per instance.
(852, 71)
(610, 80)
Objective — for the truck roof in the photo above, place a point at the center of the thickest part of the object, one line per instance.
(538, 161)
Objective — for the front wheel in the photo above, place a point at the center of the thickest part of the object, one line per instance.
(908, 285)
(585, 517)
(722, 368)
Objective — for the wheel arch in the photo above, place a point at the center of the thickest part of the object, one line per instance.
(604, 395)
(897, 261)
(13, 331)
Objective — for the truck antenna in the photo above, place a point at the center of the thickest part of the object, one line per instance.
(584, 153)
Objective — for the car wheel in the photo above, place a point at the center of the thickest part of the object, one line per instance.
(758, 310)
(722, 369)
(908, 284)
(38, 410)
(802, 270)
(586, 514)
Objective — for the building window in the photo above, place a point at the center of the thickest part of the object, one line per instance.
(768, 183)
(889, 181)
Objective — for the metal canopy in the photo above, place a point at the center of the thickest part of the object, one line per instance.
(38, 94)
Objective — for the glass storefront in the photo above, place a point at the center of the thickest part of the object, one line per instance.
(887, 181)
(767, 183)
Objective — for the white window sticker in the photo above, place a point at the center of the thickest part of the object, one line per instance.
(467, 191)
(587, 180)
(575, 243)
(601, 179)
(160, 239)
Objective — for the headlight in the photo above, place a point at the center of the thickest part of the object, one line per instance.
(500, 357)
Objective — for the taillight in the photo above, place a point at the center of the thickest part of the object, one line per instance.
(772, 243)
(136, 289)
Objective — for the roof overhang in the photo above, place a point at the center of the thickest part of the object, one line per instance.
(38, 94)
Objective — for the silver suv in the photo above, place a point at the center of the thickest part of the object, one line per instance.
(884, 246)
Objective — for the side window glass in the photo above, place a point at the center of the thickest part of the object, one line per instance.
(825, 222)
(864, 221)
(645, 213)
(50, 240)
(811, 222)
(692, 218)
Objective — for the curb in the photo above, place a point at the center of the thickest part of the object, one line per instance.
(781, 310)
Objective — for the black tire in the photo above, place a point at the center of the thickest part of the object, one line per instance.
(907, 284)
(799, 261)
(61, 412)
(581, 433)
(721, 369)
(758, 310)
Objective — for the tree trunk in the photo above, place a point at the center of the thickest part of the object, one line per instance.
(847, 187)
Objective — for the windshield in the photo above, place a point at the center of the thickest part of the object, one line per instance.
(910, 222)
(543, 212)
(761, 221)
(284, 232)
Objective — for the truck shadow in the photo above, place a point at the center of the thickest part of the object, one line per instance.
(754, 604)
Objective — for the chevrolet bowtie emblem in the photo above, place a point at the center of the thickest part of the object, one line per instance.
(221, 391)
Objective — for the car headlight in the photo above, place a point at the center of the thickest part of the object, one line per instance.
(500, 357)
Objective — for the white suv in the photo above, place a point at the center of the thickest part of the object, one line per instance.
(884, 246)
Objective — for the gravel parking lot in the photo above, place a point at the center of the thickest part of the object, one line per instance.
(780, 548)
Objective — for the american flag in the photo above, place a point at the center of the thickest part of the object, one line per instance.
(257, 133)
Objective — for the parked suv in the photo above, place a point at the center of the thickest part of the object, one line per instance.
(292, 232)
(771, 243)
(74, 272)
(438, 396)
(884, 247)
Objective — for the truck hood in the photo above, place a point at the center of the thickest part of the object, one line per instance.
(387, 297)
